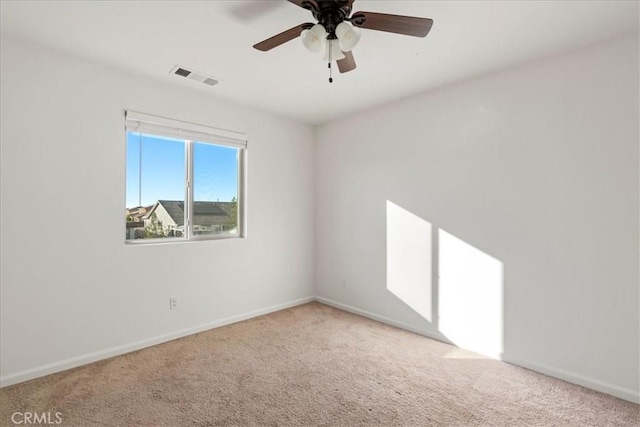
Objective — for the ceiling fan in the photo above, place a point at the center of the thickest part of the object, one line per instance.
(337, 31)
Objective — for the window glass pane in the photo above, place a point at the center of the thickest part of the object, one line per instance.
(155, 187)
(215, 189)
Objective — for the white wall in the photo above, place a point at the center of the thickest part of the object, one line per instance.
(71, 290)
(534, 172)
(527, 178)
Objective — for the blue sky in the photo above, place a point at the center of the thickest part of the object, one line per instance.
(163, 171)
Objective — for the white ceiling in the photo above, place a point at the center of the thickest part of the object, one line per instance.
(216, 37)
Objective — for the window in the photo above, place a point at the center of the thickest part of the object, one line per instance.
(183, 181)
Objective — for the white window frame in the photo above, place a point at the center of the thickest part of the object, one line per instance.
(192, 133)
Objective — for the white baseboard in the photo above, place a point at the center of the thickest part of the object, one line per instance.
(74, 362)
(572, 377)
(382, 319)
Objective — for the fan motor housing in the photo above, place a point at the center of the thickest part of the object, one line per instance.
(329, 14)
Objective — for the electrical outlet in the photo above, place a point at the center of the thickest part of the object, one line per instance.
(343, 285)
(173, 303)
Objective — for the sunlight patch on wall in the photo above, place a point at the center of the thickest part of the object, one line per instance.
(409, 259)
(470, 296)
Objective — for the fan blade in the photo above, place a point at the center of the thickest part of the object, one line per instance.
(305, 4)
(347, 63)
(407, 25)
(283, 37)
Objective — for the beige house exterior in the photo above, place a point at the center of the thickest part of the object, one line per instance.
(208, 217)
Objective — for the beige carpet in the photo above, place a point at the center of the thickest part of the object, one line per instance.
(310, 366)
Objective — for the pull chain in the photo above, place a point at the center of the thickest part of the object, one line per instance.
(330, 69)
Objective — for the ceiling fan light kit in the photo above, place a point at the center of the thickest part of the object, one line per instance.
(332, 51)
(338, 31)
(313, 38)
(348, 35)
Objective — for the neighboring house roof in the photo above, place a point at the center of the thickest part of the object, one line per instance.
(138, 213)
(205, 213)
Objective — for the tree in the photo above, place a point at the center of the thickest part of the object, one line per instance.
(154, 229)
(232, 221)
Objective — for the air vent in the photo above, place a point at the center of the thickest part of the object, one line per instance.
(209, 81)
(182, 72)
(194, 75)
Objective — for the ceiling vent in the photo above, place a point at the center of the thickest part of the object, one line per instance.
(194, 75)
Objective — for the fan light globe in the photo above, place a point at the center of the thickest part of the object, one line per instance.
(334, 48)
(313, 39)
(348, 35)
